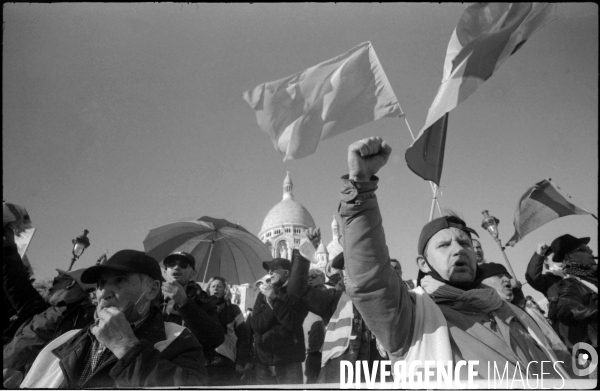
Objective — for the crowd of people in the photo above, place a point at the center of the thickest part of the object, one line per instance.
(150, 324)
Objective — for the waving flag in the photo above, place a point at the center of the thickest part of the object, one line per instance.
(539, 205)
(426, 156)
(323, 101)
(486, 35)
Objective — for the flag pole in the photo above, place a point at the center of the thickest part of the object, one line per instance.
(434, 187)
(433, 202)
(571, 199)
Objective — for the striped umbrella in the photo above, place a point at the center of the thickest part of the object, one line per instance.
(220, 248)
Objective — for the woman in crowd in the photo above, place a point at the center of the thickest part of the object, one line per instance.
(227, 362)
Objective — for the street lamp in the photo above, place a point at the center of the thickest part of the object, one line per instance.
(80, 243)
(490, 224)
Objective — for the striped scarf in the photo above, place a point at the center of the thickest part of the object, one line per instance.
(339, 330)
(474, 300)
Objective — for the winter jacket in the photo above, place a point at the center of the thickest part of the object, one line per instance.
(157, 360)
(237, 345)
(573, 310)
(539, 281)
(199, 315)
(323, 303)
(19, 291)
(31, 338)
(278, 333)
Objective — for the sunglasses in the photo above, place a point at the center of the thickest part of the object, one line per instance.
(180, 262)
(313, 276)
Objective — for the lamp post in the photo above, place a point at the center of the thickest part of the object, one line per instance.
(80, 243)
(490, 224)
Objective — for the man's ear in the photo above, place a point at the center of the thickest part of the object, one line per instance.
(153, 290)
(422, 264)
(193, 275)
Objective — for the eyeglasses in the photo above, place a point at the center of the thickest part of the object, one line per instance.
(180, 262)
(313, 276)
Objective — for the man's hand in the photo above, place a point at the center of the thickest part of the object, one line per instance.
(175, 292)
(542, 249)
(366, 157)
(113, 331)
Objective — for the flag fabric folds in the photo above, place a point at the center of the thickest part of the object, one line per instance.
(323, 101)
(486, 36)
(539, 205)
(426, 156)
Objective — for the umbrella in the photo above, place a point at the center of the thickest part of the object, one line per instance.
(220, 248)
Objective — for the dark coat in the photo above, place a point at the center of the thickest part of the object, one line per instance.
(31, 338)
(575, 307)
(18, 291)
(180, 364)
(200, 316)
(278, 332)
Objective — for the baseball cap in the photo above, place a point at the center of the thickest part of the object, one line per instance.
(436, 225)
(128, 261)
(76, 275)
(182, 255)
(492, 269)
(277, 262)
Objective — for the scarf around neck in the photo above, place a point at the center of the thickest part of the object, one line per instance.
(481, 299)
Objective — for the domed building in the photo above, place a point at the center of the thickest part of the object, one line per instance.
(284, 223)
(335, 246)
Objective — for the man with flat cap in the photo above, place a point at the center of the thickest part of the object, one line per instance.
(449, 316)
(342, 343)
(128, 345)
(277, 320)
(187, 304)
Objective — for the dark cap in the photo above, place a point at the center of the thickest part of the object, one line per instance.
(492, 269)
(564, 244)
(436, 225)
(338, 261)
(277, 262)
(181, 255)
(128, 261)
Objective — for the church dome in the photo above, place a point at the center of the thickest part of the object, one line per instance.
(288, 211)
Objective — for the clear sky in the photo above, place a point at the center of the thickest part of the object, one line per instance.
(119, 118)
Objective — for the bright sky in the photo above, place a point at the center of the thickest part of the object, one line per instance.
(119, 118)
